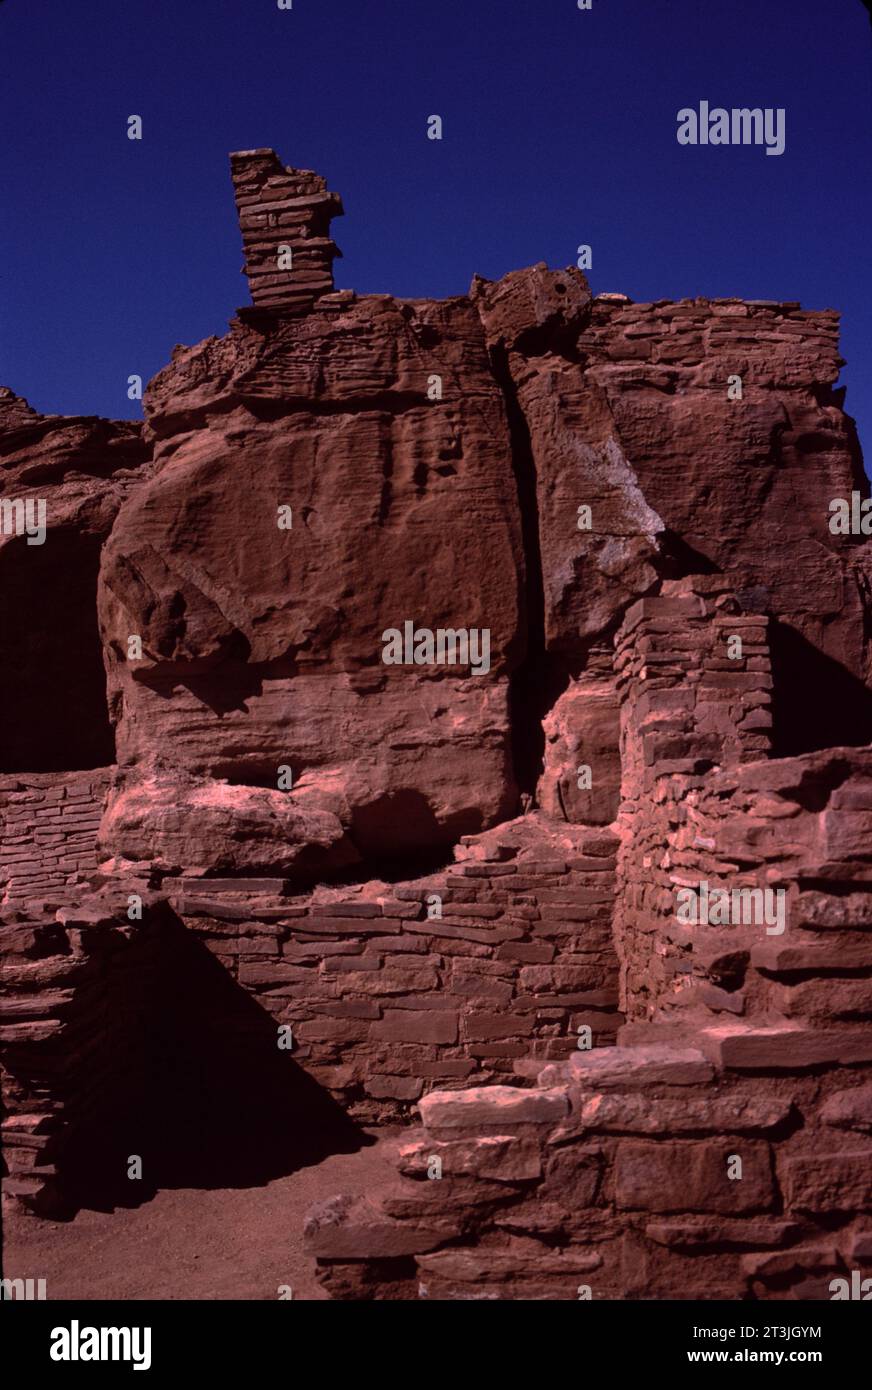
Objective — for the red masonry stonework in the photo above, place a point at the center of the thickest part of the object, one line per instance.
(460, 889)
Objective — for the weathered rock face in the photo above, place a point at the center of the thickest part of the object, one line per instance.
(581, 778)
(628, 413)
(534, 321)
(389, 584)
(527, 461)
(262, 646)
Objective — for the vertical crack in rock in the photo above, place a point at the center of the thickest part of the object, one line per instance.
(387, 488)
(535, 683)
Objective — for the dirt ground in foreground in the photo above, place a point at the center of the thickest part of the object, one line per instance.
(189, 1243)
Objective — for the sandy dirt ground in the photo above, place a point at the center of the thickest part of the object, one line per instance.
(189, 1243)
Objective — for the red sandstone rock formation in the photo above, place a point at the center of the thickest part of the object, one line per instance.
(270, 640)
(447, 877)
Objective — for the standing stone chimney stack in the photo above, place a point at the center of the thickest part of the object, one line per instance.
(284, 216)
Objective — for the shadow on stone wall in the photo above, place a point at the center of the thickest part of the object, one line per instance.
(816, 702)
(204, 1095)
(52, 682)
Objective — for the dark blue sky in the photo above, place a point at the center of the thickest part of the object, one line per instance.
(559, 129)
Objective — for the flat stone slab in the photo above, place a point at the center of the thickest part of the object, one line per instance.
(639, 1113)
(639, 1066)
(786, 1049)
(492, 1105)
(208, 887)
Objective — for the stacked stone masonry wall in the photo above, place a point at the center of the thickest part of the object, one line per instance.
(277, 208)
(386, 1001)
(722, 1148)
(687, 707)
(48, 832)
(611, 1180)
(75, 988)
(710, 335)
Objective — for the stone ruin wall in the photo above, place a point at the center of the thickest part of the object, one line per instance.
(74, 987)
(609, 1177)
(384, 1002)
(608, 1180)
(688, 706)
(48, 833)
(284, 217)
(601, 1168)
